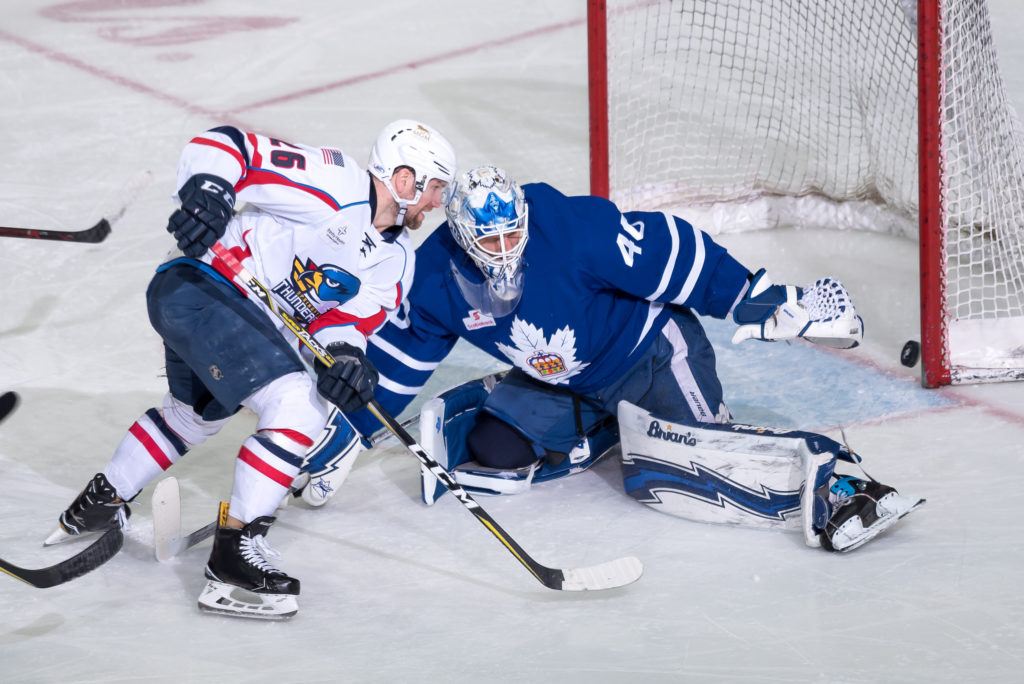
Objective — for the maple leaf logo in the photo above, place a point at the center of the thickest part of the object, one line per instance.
(551, 360)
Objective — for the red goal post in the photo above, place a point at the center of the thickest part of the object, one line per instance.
(888, 115)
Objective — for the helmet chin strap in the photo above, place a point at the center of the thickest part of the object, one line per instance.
(403, 204)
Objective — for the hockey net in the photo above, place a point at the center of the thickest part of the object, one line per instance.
(755, 113)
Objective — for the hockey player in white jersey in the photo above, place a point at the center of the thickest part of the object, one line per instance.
(596, 311)
(328, 238)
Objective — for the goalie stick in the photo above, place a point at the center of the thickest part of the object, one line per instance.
(94, 234)
(615, 573)
(86, 560)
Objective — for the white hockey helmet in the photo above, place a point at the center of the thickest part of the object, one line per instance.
(415, 145)
(485, 203)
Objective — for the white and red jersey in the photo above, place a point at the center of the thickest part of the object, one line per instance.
(307, 232)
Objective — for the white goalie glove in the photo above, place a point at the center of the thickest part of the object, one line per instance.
(822, 312)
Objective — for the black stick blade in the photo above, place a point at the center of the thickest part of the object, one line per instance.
(86, 560)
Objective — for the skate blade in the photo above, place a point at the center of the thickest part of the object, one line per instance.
(59, 536)
(225, 599)
(854, 534)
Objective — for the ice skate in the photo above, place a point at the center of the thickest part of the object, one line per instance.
(241, 580)
(97, 508)
(862, 509)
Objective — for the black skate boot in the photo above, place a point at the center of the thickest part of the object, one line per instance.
(96, 509)
(861, 510)
(241, 579)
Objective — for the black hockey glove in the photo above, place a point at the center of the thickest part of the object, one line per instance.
(350, 382)
(207, 203)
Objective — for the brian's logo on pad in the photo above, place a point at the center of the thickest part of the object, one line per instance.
(655, 430)
(477, 319)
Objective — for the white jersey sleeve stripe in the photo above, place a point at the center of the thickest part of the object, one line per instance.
(223, 147)
(695, 269)
(397, 388)
(666, 275)
(652, 313)
(397, 354)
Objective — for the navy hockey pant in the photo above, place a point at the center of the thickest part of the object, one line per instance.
(220, 347)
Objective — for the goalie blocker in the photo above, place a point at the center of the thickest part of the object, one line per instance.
(754, 476)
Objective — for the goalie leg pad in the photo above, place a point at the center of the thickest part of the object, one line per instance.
(732, 474)
(445, 421)
(588, 451)
(329, 461)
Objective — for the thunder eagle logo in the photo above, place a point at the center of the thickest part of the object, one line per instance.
(310, 287)
(327, 283)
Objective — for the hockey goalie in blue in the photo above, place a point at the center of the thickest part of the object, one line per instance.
(596, 311)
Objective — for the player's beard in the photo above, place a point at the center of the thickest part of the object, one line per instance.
(414, 221)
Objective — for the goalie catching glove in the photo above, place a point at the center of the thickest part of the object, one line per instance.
(821, 312)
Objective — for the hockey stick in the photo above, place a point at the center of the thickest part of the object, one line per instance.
(8, 402)
(168, 541)
(86, 560)
(607, 575)
(98, 232)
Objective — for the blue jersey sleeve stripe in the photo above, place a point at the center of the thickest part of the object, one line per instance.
(670, 264)
(695, 269)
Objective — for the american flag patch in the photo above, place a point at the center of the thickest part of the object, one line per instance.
(333, 156)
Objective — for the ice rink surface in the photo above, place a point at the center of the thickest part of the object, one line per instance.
(96, 91)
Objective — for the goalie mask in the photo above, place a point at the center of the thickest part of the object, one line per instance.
(487, 215)
(417, 146)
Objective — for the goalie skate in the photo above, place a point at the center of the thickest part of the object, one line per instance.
(864, 509)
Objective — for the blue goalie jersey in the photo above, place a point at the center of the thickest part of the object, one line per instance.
(598, 287)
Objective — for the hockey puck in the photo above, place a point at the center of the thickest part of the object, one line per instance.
(911, 352)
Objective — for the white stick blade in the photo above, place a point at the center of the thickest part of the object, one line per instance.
(166, 519)
(616, 573)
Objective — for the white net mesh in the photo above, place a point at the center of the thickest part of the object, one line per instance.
(761, 112)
